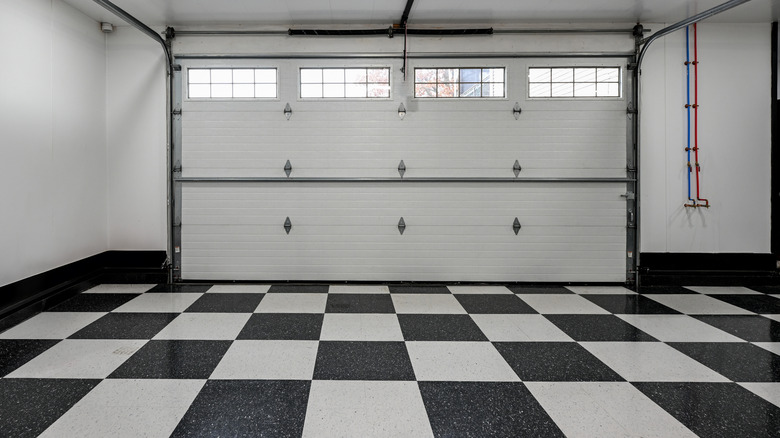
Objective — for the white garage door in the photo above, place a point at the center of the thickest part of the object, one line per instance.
(460, 196)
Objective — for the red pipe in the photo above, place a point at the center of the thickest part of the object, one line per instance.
(696, 116)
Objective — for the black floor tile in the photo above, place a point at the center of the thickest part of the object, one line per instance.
(598, 328)
(763, 304)
(540, 289)
(740, 362)
(363, 361)
(629, 304)
(440, 328)
(773, 289)
(17, 352)
(299, 289)
(485, 409)
(432, 289)
(668, 290)
(93, 303)
(359, 303)
(173, 360)
(126, 326)
(555, 362)
(716, 409)
(180, 288)
(493, 304)
(753, 328)
(247, 408)
(283, 326)
(30, 406)
(226, 303)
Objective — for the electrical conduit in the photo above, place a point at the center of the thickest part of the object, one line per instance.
(691, 201)
(706, 203)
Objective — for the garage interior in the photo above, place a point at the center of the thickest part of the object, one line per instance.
(389, 218)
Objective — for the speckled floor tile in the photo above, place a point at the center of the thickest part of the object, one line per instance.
(128, 408)
(232, 408)
(605, 409)
(677, 328)
(479, 290)
(550, 304)
(361, 327)
(482, 409)
(519, 328)
(292, 303)
(722, 290)
(496, 304)
(665, 290)
(598, 328)
(79, 359)
(299, 289)
(159, 302)
(94, 302)
(126, 326)
(283, 326)
(459, 361)
(716, 409)
(51, 325)
(410, 289)
(17, 352)
(29, 406)
(365, 409)
(226, 303)
(268, 360)
(358, 289)
(600, 290)
(764, 304)
(173, 360)
(440, 328)
(748, 327)
(359, 303)
(554, 362)
(239, 289)
(119, 289)
(740, 362)
(211, 326)
(337, 360)
(651, 362)
(181, 288)
(768, 391)
(698, 305)
(629, 304)
(539, 289)
(428, 304)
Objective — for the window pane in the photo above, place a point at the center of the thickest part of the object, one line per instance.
(333, 90)
(584, 75)
(265, 76)
(265, 90)
(470, 75)
(447, 90)
(379, 75)
(609, 75)
(333, 75)
(562, 75)
(200, 90)
(492, 75)
(608, 89)
(424, 75)
(585, 89)
(311, 76)
(447, 74)
(243, 90)
(378, 90)
(563, 90)
(425, 90)
(539, 75)
(243, 76)
(470, 90)
(539, 90)
(493, 90)
(311, 90)
(221, 90)
(221, 76)
(199, 76)
(355, 75)
(356, 90)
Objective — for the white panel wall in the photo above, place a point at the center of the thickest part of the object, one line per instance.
(734, 137)
(52, 137)
(136, 141)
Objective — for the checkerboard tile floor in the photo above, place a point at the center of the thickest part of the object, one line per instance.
(398, 361)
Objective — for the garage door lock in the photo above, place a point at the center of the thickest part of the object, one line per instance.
(287, 225)
(516, 226)
(401, 226)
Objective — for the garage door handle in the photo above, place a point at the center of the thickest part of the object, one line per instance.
(288, 168)
(516, 226)
(401, 168)
(516, 168)
(401, 225)
(287, 225)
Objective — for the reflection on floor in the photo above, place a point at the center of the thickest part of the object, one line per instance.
(400, 361)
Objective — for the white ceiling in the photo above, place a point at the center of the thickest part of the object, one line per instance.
(284, 13)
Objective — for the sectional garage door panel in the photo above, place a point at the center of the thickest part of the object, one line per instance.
(454, 232)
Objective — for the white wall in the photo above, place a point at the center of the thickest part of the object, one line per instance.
(52, 137)
(136, 141)
(734, 141)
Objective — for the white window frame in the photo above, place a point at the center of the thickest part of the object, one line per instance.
(351, 98)
(505, 83)
(620, 82)
(232, 68)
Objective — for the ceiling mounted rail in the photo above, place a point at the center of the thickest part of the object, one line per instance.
(136, 23)
(418, 55)
(392, 30)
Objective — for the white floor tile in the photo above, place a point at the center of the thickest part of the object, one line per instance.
(363, 409)
(774, 347)
(519, 328)
(600, 290)
(52, 325)
(768, 391)
(698, 305)
(128, 408)
(271, 360)
(479, 290)
(651, 362)
(602, 409)
(79, 359)
(293, 303)
(723, 290)
(361, 327)
(358, 289)
(239, 289)
(459, 361)
(561, 304)
(120, 289)
(160, 303)
(426, 303)
(208, 326)
(774, 317)
(678, 328)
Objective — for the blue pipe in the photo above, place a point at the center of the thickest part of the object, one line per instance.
(688, 108)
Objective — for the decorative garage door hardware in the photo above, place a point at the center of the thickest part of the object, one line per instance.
(516, 168)
(516, 111)
(401, 226)
(287, 225)
(288, 168)
(516, 226)
(288, 111)
(401, 168)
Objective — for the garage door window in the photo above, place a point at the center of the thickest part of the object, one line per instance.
(353, 83)
(459, 82)
(231, 83)
(573, 82)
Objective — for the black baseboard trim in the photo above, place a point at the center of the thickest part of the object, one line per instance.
(24, 298)
(705, 269)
